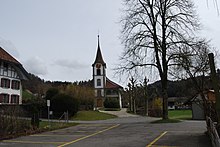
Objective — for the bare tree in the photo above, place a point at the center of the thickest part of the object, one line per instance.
(193, 63)
(152, 33)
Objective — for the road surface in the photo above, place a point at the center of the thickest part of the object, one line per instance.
(120, 132)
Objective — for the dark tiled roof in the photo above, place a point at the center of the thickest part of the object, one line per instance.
(112, 85)
(99, 58)
(7, 57)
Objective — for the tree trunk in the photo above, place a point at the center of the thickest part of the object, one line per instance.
(165, 98)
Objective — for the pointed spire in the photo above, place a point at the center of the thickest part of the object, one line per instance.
(99, 58)
(98, 43)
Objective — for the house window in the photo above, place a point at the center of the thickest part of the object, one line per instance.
(4, 98)
(5, 83)
(98, 71)
(5, 66)
(98, 82)
(15, 84)
(14, 99)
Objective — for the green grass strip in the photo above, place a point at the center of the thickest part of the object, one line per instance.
(92, 115)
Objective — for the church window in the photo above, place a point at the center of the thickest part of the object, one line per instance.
(98, 82)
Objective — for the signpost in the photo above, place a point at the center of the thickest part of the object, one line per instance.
(48, 110)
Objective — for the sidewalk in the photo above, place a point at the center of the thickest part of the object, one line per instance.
(121, 113)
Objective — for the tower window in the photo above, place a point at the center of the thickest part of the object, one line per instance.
(98, 82)
(98, 71)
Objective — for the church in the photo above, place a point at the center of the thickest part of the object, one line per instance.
(103, 86)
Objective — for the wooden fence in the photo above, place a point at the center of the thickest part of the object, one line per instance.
(213, 133)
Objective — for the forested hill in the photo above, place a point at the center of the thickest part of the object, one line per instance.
(179, 88)
(38, 85)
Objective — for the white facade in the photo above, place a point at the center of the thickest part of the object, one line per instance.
(10, 85)
(99, 75)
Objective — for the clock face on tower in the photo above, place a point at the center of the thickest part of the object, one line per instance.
(98, 65)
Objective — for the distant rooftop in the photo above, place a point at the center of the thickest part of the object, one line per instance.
(111, 84)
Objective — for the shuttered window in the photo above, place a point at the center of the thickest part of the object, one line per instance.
(14, 99)
(15, 84)
(4, 98)
(5, 83)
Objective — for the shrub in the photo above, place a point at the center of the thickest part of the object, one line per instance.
(10, 123)
(51, 93)
(156, 110)
(111, 103)
(61, 103)
(34, 106)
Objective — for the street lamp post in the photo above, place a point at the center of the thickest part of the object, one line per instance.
(146, 96)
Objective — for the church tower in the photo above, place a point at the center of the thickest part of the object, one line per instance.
(99, 77)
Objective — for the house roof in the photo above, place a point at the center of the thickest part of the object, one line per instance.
(7, 57)
(112, 85)
(99, 58)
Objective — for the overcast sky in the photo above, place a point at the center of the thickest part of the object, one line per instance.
(57, 39)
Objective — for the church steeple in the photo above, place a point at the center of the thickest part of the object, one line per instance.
(99, 58)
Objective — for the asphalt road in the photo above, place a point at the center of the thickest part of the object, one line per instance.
(120, 132)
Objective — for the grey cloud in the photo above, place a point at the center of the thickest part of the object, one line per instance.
(9, 47)
(70, 64)
(36, 66)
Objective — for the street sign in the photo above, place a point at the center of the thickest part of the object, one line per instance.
(48, 103)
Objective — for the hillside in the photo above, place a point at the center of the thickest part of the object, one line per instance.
(179, 88)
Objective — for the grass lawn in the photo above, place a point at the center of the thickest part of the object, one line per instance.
(176, 116)
(45, 126)
(180, 114)
(166, 121)
(92, 115)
